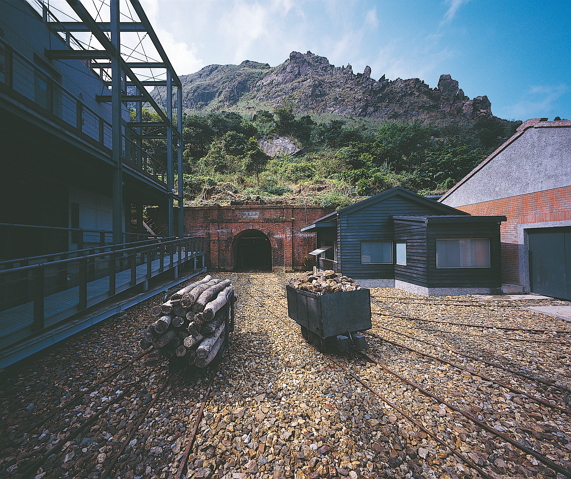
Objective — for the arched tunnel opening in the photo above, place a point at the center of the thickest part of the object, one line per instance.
(252, 251)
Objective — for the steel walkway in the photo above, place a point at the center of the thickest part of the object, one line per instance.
(21, 333)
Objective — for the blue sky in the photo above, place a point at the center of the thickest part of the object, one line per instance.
(516, 53)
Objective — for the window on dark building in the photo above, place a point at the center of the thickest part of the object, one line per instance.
(463, 253)
(376, 252)
(400, 253)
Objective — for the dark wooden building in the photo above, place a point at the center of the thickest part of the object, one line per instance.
(365, 241)
(448, 255)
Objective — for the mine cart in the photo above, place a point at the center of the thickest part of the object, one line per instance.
(331, 321)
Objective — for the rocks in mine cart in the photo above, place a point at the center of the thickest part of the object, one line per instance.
(325, 282)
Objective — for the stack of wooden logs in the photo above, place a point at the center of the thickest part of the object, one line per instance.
(323, 282)
(192, 323)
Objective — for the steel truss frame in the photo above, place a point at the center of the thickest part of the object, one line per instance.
(127, 87)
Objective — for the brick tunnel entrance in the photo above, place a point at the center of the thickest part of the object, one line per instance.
(252, 251)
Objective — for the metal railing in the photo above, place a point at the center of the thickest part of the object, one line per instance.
(48, 243)
(37, 296)
(325, 264)
(34, 85)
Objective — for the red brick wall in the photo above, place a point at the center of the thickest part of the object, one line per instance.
(281, 224)
(541, 207)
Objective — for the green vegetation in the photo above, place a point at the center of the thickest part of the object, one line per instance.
(339, 162)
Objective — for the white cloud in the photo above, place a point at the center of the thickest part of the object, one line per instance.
(242, 26)
(453, 6)
(183, 57)
(371, 19)
(538, 102)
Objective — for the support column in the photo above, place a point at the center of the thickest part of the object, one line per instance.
(140, 228)
(117, 139)
(170, 169)
(179, 162)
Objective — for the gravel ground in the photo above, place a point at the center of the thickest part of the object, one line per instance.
(278, 408)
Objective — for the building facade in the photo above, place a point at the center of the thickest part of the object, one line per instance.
(80, 159)
(400, 239)
(527, 179)
(72, 156)
(255, 236)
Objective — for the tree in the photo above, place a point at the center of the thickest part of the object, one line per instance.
(255, 159)
(401, 145)
(197, 135)
(235, 144)
(353, 157)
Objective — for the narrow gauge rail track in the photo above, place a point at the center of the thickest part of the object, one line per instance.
(497, 336)
(86, 432)
(465, 413)
(474, 372)
(491, 336)
(545, 384)
(472, 325)
(471, 417)
(474, 303)
(439, 440)
(496, 363)
(72, 420)
(467, 461)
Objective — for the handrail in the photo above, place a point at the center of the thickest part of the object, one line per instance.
(64, 105)
(79, 252)
(92, 256)
(71, 229)
(44, 294)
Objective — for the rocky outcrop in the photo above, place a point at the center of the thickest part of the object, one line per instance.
(314, 85)
(278, 146)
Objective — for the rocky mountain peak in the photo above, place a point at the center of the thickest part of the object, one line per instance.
(314, 85)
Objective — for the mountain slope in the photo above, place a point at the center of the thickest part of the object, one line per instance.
(315, 86)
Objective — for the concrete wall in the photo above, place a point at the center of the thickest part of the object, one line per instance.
(281, 224)
(536, 158)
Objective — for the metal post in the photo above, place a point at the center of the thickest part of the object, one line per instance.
(150, 258)
(39, 292)
(112, 282)
(133, 261)
(82, 303)
(170, 169)
(179, 162)
(117, 140)
(139, 132)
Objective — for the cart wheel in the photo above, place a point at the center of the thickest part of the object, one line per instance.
(305, 333)
(322, 345)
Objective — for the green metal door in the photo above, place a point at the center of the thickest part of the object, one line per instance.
(550, 261)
